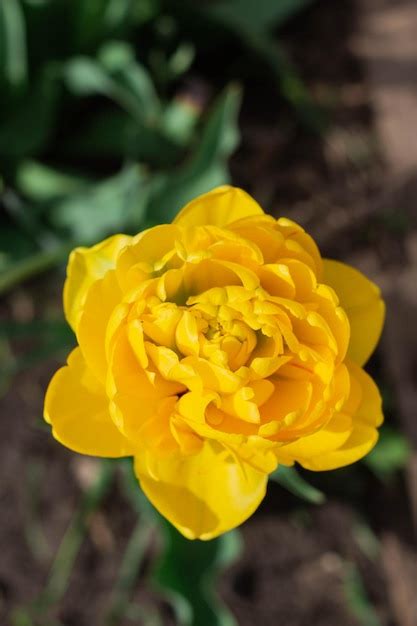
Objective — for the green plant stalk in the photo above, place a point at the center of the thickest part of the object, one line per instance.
(32, 266)
(292, 481)
(12, 27)
(357, 597)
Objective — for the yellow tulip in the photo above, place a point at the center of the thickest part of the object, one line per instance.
(212, 350)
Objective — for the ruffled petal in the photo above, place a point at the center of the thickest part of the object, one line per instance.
(85, 266)
(218, 207)
(366, 406)
(203, 494)
(361, 299)
(77, 408)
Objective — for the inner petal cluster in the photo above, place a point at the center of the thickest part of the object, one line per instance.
(225, 334)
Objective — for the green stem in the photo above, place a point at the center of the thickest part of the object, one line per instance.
(35, 264)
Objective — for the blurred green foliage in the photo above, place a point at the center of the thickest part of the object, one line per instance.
(99, 130)
(90, 143)
(357, 598)
(104, 128)
(390, 455)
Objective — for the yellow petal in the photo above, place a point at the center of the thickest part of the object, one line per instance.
(361, 299)
(218, 207)
(241, 405)
(329, 438)
(85, 266)
(148, 253)
(77, 408)
(366, 402)
(360, 441)
(202, 495)
(369, 410)
(187, 335)
(100, 301)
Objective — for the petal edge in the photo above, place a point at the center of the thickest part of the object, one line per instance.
(362, 302)
(203, 495)
(219, 207)
(85, 266)
(77, 409)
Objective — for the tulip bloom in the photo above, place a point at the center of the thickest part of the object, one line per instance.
(212, 350)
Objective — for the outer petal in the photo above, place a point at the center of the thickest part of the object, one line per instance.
(85, 266)
(100, 300)
(361, 441)
(365, 402)
(362, 302)
(369, 409)
(329, 438)
(77, 408)
(218, 207)
(204, 494)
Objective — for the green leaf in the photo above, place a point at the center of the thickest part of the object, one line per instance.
(118, 13)
(37, 3)
(179, 120)
(88, 21)
(260, 15)
(85, 77)
(292, 481)
(41, 183)
(115, 134)
(117, 75)
(207, 167)
(390, 455)
(146, 10)
(357, 598)
(96, 19)
(26, 128)
(13, 56)
(181, 60)
(118, 58)
(113, 205)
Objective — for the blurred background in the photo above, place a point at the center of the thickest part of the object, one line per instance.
(113, 114)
